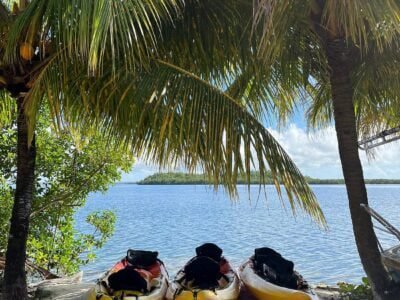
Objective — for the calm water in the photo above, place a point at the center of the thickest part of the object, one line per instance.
(175, 219)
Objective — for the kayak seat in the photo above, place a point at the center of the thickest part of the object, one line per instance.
(127, 279)
(202, 272)
(271, 266)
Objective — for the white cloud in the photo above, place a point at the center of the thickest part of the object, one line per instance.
(317, 154)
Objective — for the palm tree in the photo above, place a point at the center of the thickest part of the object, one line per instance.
(176, 80)
(345, 54)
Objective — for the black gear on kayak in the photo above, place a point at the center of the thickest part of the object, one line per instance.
(127, 279)
(271, 266)
(210, 250)
(141, 259)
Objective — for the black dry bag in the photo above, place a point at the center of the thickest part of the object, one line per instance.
(210, 250)
(141, 259)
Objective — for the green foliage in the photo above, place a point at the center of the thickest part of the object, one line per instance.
(64, 250)
(69, 166)
(185, 178)
(6, 202)
(361, 291)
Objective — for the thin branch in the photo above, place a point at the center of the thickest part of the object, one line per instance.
(66, 196)
(45, 273)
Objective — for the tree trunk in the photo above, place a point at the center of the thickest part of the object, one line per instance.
(339, 60)
(15, 286)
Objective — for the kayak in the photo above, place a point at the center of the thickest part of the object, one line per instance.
(260, 288)
(158, 288)
(207, 276)
(229, 290)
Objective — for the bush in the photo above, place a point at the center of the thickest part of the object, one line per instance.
(350, 291)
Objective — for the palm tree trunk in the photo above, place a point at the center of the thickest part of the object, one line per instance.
(15, 286)
(339, 59)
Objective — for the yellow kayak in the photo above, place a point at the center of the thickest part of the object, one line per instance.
(228, 291)
(207, 276)
(262, 289)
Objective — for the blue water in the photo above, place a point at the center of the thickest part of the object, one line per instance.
(175, 219)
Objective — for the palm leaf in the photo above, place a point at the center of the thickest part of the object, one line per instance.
(357, 21)
(170, 115)
(298, 46)
(376, 80)
(361, 21)
(7, 109)
(375, 76)
(91, 30)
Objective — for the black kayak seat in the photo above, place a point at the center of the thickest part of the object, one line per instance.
(273, 260)
(271, 266)
(127, 279)
(203, 272)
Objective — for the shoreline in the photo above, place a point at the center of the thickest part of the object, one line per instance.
(72, 288)
(245, 184)
(180, 178)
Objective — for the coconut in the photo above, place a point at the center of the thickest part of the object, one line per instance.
(26, 51)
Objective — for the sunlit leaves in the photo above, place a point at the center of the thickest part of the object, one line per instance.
(92, 31)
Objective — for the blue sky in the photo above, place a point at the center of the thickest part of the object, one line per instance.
(315, 153)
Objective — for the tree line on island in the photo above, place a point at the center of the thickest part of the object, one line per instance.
(202, 179)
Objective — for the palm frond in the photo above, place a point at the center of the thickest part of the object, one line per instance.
(210, 38)
(281, 25)
(377, 97)
(319, 111)
(170, 115)
(91, 30)
(361, 21)
(261, 93)
(290, 37)
(358, 21)
(7, 109)
(290, 46)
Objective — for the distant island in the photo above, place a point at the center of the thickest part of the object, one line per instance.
(185, 178)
